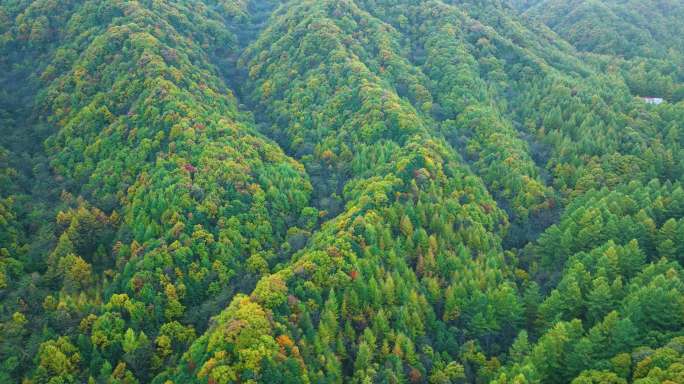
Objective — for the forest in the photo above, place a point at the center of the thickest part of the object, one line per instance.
(341, 191)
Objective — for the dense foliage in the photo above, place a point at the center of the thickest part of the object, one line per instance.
(642, 37)
(326, 191)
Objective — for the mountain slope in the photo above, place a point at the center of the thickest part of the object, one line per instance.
(641, 35)
(628, 28)
(391, 209)
(169, 171)
(238, 191)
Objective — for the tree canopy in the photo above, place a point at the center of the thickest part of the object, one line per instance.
(356, 191)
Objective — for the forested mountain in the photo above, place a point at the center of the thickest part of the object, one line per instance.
(643, 37)
(622, 27)
(341, 191)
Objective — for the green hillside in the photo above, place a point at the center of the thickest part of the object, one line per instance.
(644, 37)
(355, 191)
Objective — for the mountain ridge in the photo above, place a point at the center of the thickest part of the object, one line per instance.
(334, 191)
